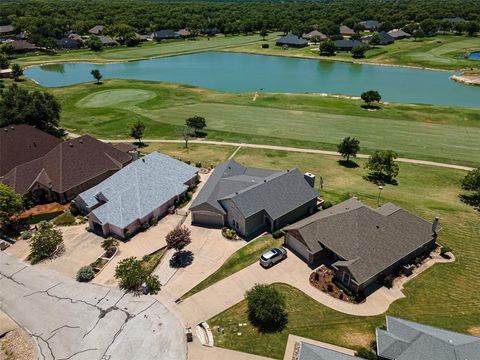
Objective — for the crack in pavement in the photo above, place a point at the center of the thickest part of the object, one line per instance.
(10, 277)
(77, 353)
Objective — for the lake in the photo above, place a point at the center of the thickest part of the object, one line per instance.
(235, 72)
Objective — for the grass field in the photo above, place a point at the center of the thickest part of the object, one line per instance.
(446, 295)
(309, 121)
(240, 259)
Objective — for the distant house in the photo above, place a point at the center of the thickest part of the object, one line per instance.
(67, 43)
(363, 244)
(96, 30)
(140, 192)
(370, 24)
(315, 34)
(107, 41)
(308, 351)
(291, 40)
(6, 73)
(454, 20)
(164, 34)
(23, 46)
(184, 33)
(7, 30)
(20, 144)
(210, 31)
(406, 340)
(252, 200)
(142, 37)
(385, 38)
(398, 34)
(346, 31)
(348, 45)
(66, 170)
(76, 38)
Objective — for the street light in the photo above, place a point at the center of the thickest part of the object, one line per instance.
(380, 188)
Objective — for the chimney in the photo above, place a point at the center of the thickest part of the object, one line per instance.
(435, 225)
(310, 178)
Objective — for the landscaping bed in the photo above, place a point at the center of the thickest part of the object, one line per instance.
(322, 279)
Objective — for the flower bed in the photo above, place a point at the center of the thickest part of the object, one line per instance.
(322, 279)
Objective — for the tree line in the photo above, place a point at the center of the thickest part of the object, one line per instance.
(47, 20)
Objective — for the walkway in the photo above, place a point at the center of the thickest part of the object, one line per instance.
(70, 320)
(309, 151)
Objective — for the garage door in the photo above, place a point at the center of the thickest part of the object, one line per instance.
(297, 247)
(207, 219)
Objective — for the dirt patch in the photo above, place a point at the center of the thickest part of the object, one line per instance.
(44, 209)
(360, 339)
(475, 330)
(16, 345)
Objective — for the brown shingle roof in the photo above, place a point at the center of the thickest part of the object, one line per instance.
(68, 165)
(23, 143)
(125, 146)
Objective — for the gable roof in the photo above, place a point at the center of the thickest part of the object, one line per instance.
(67, 165)
(165, 34)
(345, 30)
(23, 143)
(398, 33)
(139, 188)
(370, 24)
(314, 352)
(454, 19)
(5, 29)
(125, 146)
(106, 40)
(96, 30)
(367, 240)
(348, 44)
(407, 340)
(184, 32)
(291, 39)
(385, 38)
(23, 45)
(254, 190)
(315, 33)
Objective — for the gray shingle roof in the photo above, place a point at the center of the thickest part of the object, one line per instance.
(138, 189)
(291, 39)
(253, 190)
(314, 352)
(407, 340)
(398, 33)
(370, 24)
(367, 240)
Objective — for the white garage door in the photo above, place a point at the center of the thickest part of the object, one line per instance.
(207, 219)
(297, 247)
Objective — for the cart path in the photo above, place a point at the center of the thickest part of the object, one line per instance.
(293, 149)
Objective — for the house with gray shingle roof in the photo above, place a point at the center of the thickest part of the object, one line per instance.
(314, 352)
(292, 40)
(142, 191)
(408, 340)
(96, 30)
(252, 200)
(363, 244)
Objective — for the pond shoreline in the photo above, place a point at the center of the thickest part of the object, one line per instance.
(473, 79)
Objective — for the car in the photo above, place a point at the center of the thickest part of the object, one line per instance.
(273, 256)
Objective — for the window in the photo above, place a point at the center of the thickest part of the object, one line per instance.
(346, 278)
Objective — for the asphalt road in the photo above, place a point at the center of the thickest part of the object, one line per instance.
(70, 320)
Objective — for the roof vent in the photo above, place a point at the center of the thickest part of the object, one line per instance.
(264, 180)
(143, 160)
(12, 127)
(236, 192)
(34, 144)
(80, 141)
(70, 144)
(6, 130)
(378, 227)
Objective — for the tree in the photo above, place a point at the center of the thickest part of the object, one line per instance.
(7, 49)
(11, 204)
(17, 71)
(94, 43)
(122, 31)
(429, 26)
(349, 146)
(97, 75)
(472, 27)
(4, 62)
(327, 48)
(375, 40)
(186, 133)
(132, 276)
(371, 96)
(196, 123)
(358, 52)
(44, 243)
(178, 238)
(471, 183)
(137, 130)
(266, 308)
(36, 108)
(263, 33)
(382, 166)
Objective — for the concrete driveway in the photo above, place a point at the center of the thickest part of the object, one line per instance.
(70, 320)
(80, 248)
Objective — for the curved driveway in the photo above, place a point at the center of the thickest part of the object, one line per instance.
(70, 320)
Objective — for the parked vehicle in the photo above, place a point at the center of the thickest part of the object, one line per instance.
(273, 256)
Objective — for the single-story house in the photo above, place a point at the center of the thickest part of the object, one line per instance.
(96, 30)
(141, 191)
(291, 40)
(20, 144)
(252, 200)
(184, 33)
(66, 170)
(454, 20)
(408, 340)
(23, 46)
(210, 31)
(363, 244)
(398, 34)
(315, 34)
(6, 30)
(141, 37)
(385, 38)
(348, 45)
(164, 34)
(370, 24)
(346, 31)
(67, 43)
(107, 40)
(308, 351)
(5, 73)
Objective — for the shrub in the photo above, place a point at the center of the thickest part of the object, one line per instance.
(74, 211)
(326, 205)
(132, 275)
(229, 233)
(366, 354)
(265, 46)
(277, 234)
(198, 164)
(44, 242)
(65, 219)
(26, 235)
(144, 227)
(85, 274)
(445, 249)
(387, 280)
(153, 221)
(266, 308)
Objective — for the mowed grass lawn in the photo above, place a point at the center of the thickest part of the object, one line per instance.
(308, 121)
(446, 295)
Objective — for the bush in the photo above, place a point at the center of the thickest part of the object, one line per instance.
(44, 242)
(229, 233)
(265, 46)
(326, 205)
(85, 274)
(266, 308)
(65, 219)
(387, 280)
(198, 164)
(277, 234)
(445, 249)
(366, 354)
(26, 235)
(74, 211)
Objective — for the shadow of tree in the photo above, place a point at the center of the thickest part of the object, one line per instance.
(380, 179)
(182, 259)
(370, 107)
(472, 200)
(348, 164)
